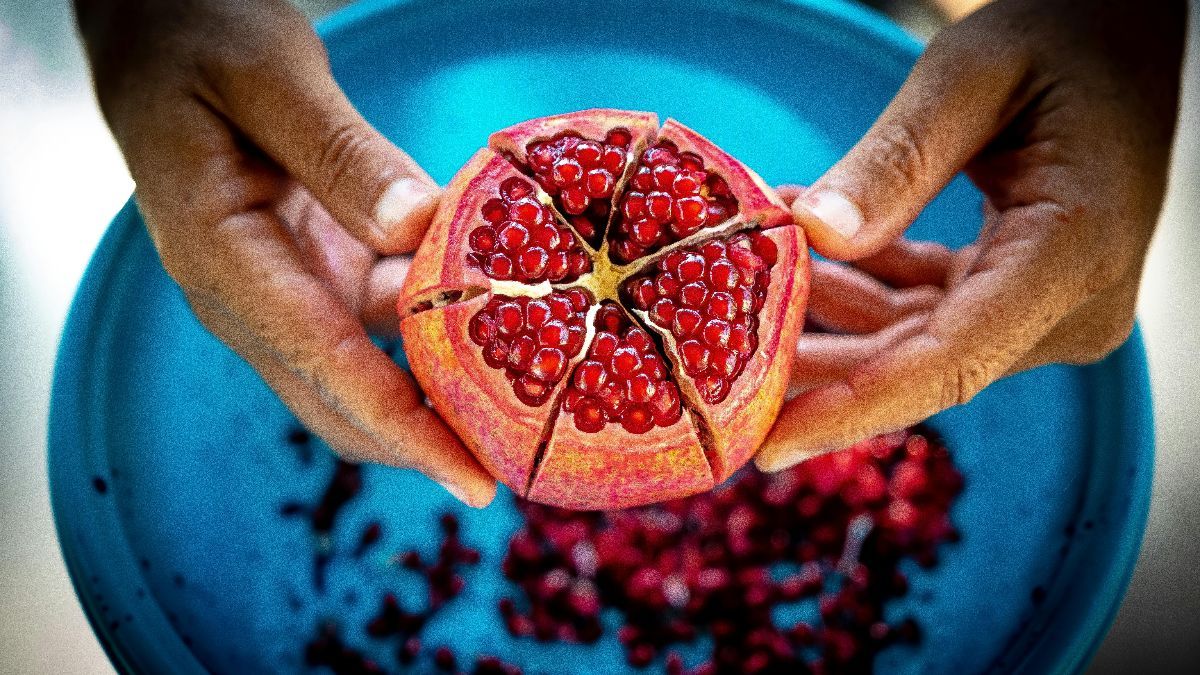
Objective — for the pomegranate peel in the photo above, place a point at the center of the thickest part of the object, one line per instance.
(525, 329)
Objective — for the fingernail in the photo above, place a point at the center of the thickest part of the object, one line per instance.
(401, 199)
(835, 210)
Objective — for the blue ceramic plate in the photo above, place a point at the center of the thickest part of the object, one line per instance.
(169, 458)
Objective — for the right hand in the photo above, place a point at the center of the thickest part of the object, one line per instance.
(279, 211)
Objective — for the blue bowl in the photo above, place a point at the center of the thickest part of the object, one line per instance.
(169, 458)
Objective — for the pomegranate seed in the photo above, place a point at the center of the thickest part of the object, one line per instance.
(639, 339)
(589, 417)
(693, 295)
(694, 356)
(546, 236)
(532, 261)
(598, 184)
(664, 176)
(515, 188)
(634, 206)
(604, 345)
(520, 352)
(652, 365)
(666, 405)
(590, 376)
(509, 316)
(580, 299)
(625, 362)
(530, 390)
(645, 232)
(483, 238)
(724, 362)
(637, 420)
(498, 266)
(588, 152)
(712, 388)
(717, 333)
(721, 306)
(526, 211)
(663, 312)
(691, 267)
(666, 285)
(658, 205)
(643, 294)
(482, 329)
(558, 266)
(574, 200)
(536, 313)
(494, 211)
(548, 364)
(552, 334)
(566, 172)
(612, 398)
(686, 322)
(614, 159)
(641, 388)
(690, 213)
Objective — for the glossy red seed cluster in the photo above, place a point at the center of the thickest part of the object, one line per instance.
(623, 380)
(708, 297)
(833, 531)
(519, 239)
(581, 174)
(670, 196)
(532, 339)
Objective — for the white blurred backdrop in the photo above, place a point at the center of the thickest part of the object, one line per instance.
(62, 179)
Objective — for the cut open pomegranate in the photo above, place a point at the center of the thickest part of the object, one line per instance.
(603, 309)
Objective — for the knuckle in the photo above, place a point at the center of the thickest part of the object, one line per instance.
(346, 148)
(898, 155)
(963, 380)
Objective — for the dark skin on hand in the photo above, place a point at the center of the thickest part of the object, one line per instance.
(285, 217)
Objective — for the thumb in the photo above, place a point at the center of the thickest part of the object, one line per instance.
(289, 105)
(950, 106)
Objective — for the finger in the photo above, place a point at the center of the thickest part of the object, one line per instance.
(952, 103)
(789, 192)
(905, 263)
(845, 300)
(282, 95)
(1017, 292)
(383, 290)
(822, 359)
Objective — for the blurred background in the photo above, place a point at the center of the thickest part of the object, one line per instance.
(62, 179)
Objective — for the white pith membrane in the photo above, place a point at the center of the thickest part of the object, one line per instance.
(605, 282)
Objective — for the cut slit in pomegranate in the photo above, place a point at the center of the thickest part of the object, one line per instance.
(704, 291)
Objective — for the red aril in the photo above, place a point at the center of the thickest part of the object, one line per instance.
(602, 309)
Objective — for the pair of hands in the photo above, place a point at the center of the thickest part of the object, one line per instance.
(283, 215)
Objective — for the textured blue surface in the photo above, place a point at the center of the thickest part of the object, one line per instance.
(183, 563)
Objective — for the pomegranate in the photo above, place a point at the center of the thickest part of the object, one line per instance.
(602, 309)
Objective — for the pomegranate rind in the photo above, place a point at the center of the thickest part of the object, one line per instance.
(476, 400)
(615, 469)
(593, 124)
(737, 426)
(441, 259)
(757, 201)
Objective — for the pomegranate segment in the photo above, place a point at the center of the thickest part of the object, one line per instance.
(623, 380)
(708, 297)
(580, 159)
(626, 469)
(532, 339)
(738, 424)
(518, 239)
(473, 242)
(475, 399)
(670, 196)
(581, 174)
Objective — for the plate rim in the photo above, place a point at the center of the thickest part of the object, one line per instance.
(69, 384)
